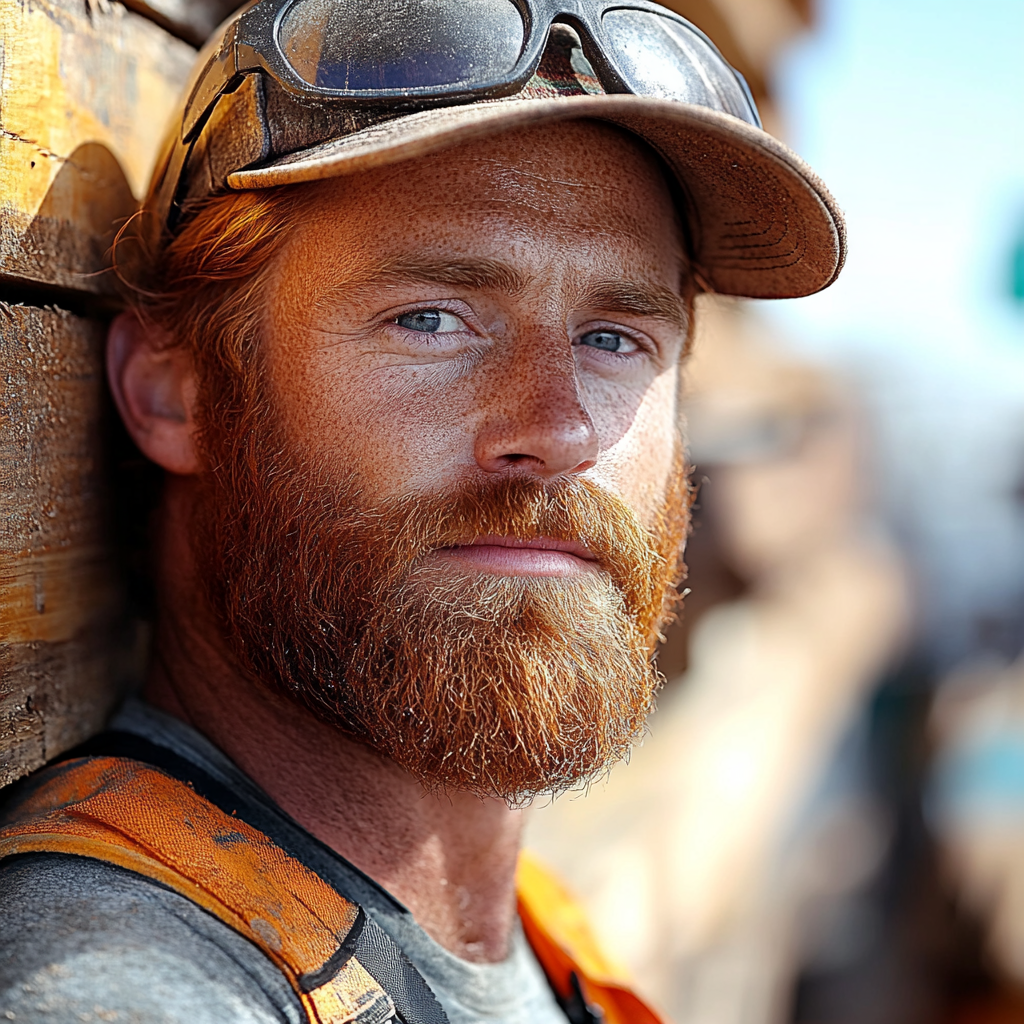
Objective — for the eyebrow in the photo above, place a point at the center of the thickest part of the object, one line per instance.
(647, 300)
(477, 273)
(640, 299)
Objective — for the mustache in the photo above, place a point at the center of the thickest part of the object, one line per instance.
(385, 540)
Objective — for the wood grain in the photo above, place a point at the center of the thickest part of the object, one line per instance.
(59, 588)
(86, 93)
(87, 88)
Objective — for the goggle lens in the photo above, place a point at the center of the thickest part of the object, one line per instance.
(657, 56)
(371, 45)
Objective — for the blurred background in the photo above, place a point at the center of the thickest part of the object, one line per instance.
(825, 824)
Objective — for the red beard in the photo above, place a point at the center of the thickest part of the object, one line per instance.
(501, 686)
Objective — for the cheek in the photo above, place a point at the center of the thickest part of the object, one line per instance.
(638, 466)
(396, 433)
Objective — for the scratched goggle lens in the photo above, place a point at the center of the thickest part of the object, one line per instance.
(657, 56)
(374, 45)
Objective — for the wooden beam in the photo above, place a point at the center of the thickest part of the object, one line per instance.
(60, 595)
(86, 93)
(191, 20)
(87, 89)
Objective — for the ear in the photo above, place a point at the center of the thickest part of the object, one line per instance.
(154, 386)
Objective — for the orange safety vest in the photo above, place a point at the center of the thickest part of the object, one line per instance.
(138, 817)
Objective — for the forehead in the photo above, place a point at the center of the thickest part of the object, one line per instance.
(534, 195)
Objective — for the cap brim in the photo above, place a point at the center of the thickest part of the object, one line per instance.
(764, 225)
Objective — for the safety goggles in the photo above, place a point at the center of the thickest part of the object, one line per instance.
(297, 91)
(411, 54)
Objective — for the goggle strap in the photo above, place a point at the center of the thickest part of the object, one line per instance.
(234, 136)
(212, 81)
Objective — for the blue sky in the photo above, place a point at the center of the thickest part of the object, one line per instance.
(913, 113)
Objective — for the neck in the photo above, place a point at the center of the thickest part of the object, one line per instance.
(449, 857)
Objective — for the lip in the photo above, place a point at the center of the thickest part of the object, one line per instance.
(511, 556)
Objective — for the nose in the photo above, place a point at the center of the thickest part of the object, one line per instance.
(535, 417)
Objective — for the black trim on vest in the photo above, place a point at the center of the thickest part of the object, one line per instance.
(314, 979)
(576, 1008)
(382, 957)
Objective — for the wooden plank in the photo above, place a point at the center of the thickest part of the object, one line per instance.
(59, 591)
(86, 93)
(191, 20)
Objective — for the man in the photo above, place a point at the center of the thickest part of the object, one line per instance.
(411, 293)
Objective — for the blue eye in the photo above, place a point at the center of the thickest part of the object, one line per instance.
(608, 341)
(426, 321)
(430, 321)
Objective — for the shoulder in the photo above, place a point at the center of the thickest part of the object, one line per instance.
(84, 940)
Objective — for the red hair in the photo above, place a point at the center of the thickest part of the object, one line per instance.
(204, 286)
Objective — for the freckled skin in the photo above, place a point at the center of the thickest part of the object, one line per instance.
(512, 387)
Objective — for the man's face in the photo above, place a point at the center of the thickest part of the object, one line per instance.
(454, 526)
(511, 307)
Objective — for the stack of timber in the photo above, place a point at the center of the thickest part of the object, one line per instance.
(87, 88)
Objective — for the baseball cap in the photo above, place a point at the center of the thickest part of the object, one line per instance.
(759, 222)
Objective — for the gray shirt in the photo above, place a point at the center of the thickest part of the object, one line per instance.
(81, 940)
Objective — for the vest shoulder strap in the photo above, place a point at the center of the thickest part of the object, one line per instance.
(129, 814)
(587, 982)
(125, 812)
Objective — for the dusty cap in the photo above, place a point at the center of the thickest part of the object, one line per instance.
(760, 223)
